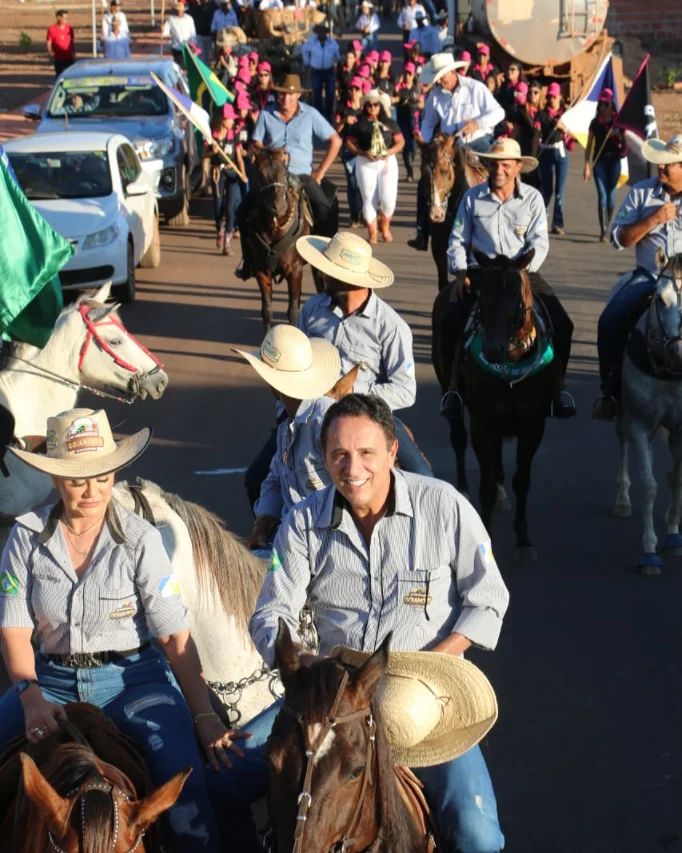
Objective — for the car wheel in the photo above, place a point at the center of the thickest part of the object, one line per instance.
(178, 216)
(125, 293)
(152, 257)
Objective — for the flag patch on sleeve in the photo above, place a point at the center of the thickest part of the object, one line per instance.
(275, 562)
(9, 585)
(169, 585)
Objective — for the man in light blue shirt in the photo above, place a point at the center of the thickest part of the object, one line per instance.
(426, 36)
(321, 54)
(649, 219)
(224, 16)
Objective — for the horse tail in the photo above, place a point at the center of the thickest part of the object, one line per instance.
(222, 563)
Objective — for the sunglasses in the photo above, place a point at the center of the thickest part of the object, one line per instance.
(373, 106)
(263, 73)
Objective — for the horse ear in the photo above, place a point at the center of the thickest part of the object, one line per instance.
(661, 258)
(367, 677)
(482, 259)
(149, 809)
(525, 260)
(103, 293)
(56, 809)
(97, 314)
(286, 652)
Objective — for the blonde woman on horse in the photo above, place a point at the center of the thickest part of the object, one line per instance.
(92, 581)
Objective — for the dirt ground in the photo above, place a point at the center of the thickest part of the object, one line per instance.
(26, 73)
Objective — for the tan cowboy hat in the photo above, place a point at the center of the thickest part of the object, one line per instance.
(661, 153)
(80, 444)
(434, 706)
(345, 257)
(376, 96)
(294, 364)
(290, 83)
(508, 149)
(438, 65)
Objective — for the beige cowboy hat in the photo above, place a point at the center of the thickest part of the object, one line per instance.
(80, 444)
(291, 83)
(294, 364)
(438, 65)
(661, 153)
(376, 96)
(508, 149)
(434, 706)
(345, 257)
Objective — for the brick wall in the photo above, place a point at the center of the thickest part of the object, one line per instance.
(654, 21)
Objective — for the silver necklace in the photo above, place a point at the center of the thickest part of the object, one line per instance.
(69, 533)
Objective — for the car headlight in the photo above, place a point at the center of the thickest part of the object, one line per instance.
(150, 150)
(101, 238)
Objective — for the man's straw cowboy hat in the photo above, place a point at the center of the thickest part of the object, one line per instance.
(438, 65)
(291, 84)
(434, 706)
(345, 257)
(662, 153)
(294, 364)
(80, 445)
(508, 149)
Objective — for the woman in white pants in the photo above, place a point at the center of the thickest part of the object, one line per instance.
(375, 140)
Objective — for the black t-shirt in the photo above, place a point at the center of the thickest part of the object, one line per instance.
(362, 132)
(342, 114)
(385, 84)
(613, 147)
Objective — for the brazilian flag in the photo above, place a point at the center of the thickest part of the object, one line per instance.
(205, 88)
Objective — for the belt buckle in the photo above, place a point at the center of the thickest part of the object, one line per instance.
(82, 660)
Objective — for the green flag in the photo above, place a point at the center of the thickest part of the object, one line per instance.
(205, 88)
(31, 255)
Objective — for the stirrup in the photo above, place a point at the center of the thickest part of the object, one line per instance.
(452, 406)
(605, 408)
(563, 406)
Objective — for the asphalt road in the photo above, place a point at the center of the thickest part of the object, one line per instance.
(586, 754)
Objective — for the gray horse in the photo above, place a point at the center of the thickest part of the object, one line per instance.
(652, 399)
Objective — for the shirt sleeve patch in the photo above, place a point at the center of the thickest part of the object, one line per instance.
(275, 562)
(9, 585)
(486, 552)
(169, 585)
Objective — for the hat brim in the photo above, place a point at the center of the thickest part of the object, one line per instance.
(95, 465)
(308, 384)
(528, 163)
(467, 716)
(290, 90)
(311, 249)
(429, 77)
(655, 151)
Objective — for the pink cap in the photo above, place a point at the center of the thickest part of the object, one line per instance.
(410, 44)
(229, 112)
(465, 56)
(356, 81)
(243, 76)
(421, 60)
(364, 71)
(367, 86)
(606, 95)
(253, 56)
(243, 101)
(554, 89)
(410, 67)
(373, 56)
(482, 48)
(521, 88)
(357, 44)
(243, 60)
(264, 66)
(385, 56)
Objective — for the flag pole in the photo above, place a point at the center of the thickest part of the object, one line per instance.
(204, 135)
(163, 23)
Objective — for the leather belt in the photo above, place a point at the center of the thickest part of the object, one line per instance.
(89, 660)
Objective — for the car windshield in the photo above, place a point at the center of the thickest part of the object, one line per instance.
(95, 97)
(62, 174)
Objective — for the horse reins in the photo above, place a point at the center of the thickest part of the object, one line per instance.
(305, 798)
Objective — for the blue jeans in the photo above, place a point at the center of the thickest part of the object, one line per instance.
(409, 456)
(352, 190)
(616, 322)
(460, 792)
(143, 699)
(406, 125)
(323, 79)
(553, 174)
(606, 174)
(227, 196)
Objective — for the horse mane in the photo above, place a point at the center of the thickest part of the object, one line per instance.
(221, 562)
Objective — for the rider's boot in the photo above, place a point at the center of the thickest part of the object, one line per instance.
(384, 228)
(563, 404)
(373, 232)
(420, 242)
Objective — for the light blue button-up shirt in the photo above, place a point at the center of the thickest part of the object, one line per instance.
(450, 111)
(298, 135)
(427, 39)
(642, 201)
(495, 227)
(320, 56)
(375, 337)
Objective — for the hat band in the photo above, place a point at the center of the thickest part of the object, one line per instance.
(346, 260)
(674, 148)
(272, 363)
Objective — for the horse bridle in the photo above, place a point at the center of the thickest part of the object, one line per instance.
(665, 339)
(289, 215)
(443, 200)
(305, 798)
(116, 794)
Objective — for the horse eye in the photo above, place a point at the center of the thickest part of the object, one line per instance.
(356, 772)
(115, 342)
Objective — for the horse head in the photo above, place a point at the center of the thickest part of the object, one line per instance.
(83, 805)
(110, 358)
(327, 757)
(441, 172)
(664, 320)
(505, 303)
(272, 181)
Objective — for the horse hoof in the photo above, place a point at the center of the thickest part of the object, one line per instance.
(622, 510)
(672, 544)
(650, 565)
(525, 554)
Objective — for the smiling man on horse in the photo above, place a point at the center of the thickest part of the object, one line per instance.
(296, 127)
(650, 218)
(503, 217)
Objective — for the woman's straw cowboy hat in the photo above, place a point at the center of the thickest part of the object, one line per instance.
(508, 149)
(662, 153)
(345, 257)
(434, 706)
(376, 96)
(291, 84)
(438, 65)
(294, 364)
(80, 445)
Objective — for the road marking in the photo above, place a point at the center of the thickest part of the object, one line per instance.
(219, 472)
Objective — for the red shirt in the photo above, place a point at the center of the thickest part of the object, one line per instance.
(62, 41)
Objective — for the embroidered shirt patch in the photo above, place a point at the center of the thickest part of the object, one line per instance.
(417, 598)
(275, 562)
(129, 608)
(169, 585)
(9, 585)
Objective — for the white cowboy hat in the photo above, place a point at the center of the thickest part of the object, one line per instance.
(294, 364)
(659, 152)
(80, 445)
(434, 706)
(508, 149)
(376, 96)
(345, 257)
(438, 65)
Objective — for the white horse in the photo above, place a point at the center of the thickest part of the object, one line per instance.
(651, 400)
(90, 349)
(219, 583)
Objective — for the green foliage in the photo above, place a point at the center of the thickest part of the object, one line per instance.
(670, 74)
(25, 41)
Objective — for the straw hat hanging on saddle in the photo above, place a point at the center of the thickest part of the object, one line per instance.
(508, 149)
(345, 257)
(663, 153)
(291, 83)
(434, 706)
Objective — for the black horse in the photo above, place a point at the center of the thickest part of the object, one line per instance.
(504, 380)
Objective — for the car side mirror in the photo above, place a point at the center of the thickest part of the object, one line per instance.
(32, 111)
(139, 186)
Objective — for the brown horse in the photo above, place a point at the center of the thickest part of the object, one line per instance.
(332, 782)
(66, 798)
(448, 174)
(279, 217)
